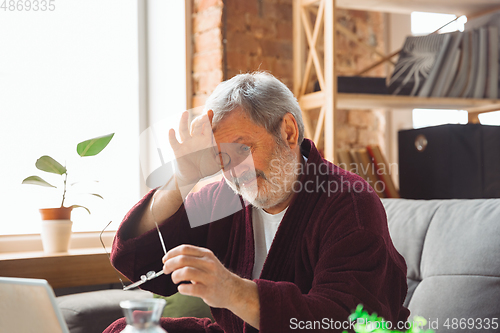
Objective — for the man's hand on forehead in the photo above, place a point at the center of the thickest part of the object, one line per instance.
(194, 152)
(202, 123)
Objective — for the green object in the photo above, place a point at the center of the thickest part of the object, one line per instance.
(366, 323)
(179, 305)
(35, 180)
(46, 163)
(93, 146)
(78, 206)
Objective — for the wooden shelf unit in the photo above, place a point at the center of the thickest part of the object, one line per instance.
(308, 57)
(371, 101)
(457, 7)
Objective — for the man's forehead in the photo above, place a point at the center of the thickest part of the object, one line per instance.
(228, 139)
(236, 123)
(229, 132)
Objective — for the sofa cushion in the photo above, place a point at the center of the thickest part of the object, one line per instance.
(179, 305)
(463, 238)
(408, 222)
(457, 296)
(92, 312)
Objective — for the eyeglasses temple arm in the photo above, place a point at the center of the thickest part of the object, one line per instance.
(109, 257)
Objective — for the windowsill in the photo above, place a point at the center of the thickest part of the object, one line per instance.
(80, 266)
(33, 242)
(42, 254)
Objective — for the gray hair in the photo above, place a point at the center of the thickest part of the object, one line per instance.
(264, 98)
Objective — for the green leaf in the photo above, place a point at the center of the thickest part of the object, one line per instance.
(96, 195)
(48, 164)
(93, 146)
(35, 180)
(78, 206)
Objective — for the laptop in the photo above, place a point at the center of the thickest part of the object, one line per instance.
(29, 305)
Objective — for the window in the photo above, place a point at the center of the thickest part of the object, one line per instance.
(428, 117)
(491, 118)
(68, 75)
(425, 23)
(164, 65)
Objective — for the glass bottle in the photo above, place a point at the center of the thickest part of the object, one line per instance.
(143, 316)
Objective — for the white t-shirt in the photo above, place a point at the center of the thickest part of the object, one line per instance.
(265, 226)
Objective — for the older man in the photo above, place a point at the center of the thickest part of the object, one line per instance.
(308, 244)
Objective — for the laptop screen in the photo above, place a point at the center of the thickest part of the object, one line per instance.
(29, 305)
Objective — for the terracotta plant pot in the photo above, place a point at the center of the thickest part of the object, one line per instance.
(56, 229)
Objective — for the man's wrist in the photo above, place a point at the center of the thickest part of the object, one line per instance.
(245, 301)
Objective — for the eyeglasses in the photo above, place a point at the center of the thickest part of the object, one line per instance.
(149, 275)
(232, 154)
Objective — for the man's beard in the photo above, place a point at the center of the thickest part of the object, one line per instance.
(274, 188)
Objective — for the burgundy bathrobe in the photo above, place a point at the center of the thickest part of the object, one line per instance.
(332, 251)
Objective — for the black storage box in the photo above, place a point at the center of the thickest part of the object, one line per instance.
(359, 85)
(450, 162)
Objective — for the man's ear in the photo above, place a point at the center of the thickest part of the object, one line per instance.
(290, 130)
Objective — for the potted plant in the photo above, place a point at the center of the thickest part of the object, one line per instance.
(56, 222)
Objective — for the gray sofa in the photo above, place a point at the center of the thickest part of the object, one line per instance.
(451, 247)
(452, 251)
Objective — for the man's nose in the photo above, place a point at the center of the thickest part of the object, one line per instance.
(239, 170)
(241, 167)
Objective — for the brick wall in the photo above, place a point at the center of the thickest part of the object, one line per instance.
(239, 36)
(207, 48)
(259, 37)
